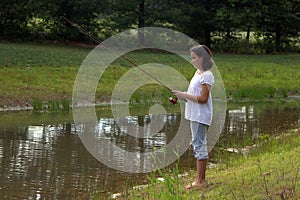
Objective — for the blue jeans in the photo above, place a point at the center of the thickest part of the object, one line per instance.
(199, 141)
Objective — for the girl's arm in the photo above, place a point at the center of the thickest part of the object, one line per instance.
(199, 99)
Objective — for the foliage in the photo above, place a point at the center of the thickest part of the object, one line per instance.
(42, 19)
(214, 23)
(280, 20)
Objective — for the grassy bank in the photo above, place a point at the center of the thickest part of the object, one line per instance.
(270, 171)
(32, 73)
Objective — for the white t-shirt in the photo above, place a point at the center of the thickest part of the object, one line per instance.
(198, 112)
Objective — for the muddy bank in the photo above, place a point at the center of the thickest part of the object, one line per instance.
(8, 105)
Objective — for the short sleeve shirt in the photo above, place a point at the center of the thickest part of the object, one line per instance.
(198, 112)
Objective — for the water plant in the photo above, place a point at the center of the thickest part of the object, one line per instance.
(37, 104)
(53, 105)
(65, 104)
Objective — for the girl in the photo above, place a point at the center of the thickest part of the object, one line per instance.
(199, 108)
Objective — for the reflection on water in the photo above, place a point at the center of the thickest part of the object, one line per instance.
(135, 133)
(49, 161)
(245, 123)
(134, 143)
(42, 156)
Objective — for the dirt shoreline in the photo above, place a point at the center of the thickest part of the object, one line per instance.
(16, 108)
(29, 107)
(106, 103)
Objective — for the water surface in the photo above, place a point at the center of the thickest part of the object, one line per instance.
(42, 156)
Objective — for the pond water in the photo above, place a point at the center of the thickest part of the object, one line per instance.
(42, 156)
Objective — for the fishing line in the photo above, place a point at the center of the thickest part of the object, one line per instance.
(95, 39)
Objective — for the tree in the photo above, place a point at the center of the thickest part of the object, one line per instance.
(239, 15)
(41, 18)
(199, 19)
(276, 21)
(81, 12)
(14, 15)
(138, 14)
(280, 19)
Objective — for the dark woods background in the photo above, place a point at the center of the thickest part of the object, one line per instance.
(237, 26)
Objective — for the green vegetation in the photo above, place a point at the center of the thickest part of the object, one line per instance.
(222, 22)
(271, 170)
(32, 73)
(260, 77)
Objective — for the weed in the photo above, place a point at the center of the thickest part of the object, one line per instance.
(37, 104)
(53, 105)
(65, 103)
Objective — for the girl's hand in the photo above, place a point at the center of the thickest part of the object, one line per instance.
(179, 94)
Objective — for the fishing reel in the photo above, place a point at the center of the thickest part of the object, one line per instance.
(173, 100)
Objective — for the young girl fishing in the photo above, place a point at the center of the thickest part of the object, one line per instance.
(199, 108)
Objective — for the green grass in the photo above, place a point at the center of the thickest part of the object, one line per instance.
(21, 86)
(40, 55)
(260, 76)
(33, 72)
(270, 171)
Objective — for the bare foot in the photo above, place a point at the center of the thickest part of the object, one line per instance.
(195, 184)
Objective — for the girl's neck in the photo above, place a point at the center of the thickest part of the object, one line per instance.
(200, 71)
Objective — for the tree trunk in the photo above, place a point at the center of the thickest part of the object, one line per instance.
(248, 40)
(227, 36)
(207, 38)
(278, 38)
(141, 36)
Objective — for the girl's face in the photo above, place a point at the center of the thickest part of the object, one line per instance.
(196, 61)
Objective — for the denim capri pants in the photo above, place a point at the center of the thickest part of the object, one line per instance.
(199, 141)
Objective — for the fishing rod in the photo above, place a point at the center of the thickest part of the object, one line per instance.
(114, 49)
(173, 99)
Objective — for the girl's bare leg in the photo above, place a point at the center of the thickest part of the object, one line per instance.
(201, 170)
(200, 178)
